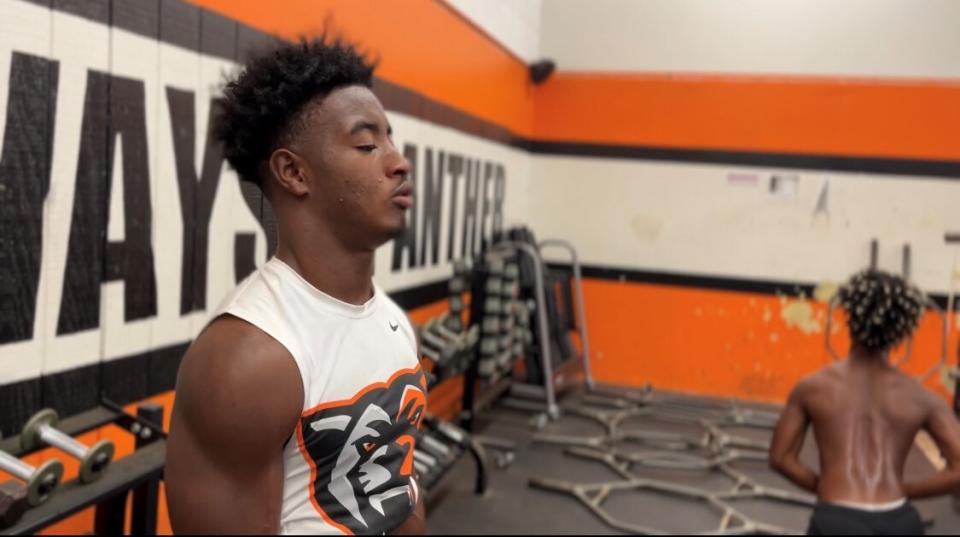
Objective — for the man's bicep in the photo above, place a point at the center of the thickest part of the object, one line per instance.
(236, 405)
(208, 493)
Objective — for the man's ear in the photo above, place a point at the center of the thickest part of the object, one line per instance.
(288, 170)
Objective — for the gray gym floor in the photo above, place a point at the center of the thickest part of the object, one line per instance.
(511, 507)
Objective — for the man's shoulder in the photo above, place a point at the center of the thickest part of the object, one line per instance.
(234, 368)
(233, 352)
(228, 335)
(821, 378)
(909, 386)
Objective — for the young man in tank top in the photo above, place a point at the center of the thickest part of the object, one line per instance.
(297, 406)
(865, 415)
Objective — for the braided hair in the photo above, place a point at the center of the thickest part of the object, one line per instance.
(882, 309)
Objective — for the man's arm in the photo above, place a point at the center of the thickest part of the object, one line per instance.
(943, 427)
(238, 398)
(788, 439)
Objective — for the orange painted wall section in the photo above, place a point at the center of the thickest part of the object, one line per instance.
(722, 343)
(905, 119)
(421, 44)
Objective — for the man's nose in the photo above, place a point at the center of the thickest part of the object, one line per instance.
(401, 167)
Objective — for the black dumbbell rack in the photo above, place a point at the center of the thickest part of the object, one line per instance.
(446, 443)
(478, 393)
(557, 367)
(140, 472)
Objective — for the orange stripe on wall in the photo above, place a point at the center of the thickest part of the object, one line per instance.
(429, 48)
(421, 44)
(855, 117)
(723, 343)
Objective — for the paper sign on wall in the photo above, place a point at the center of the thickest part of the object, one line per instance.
(783, 186)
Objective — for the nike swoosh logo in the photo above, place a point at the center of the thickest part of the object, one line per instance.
(393, 326)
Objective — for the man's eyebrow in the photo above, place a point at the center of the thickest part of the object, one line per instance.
(366, 125)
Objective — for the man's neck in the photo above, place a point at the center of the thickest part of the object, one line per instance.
(339, 271)
(862, 356)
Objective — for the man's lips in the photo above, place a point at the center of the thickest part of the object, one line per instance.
(403, 196)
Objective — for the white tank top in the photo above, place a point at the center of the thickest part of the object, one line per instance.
(348, 467)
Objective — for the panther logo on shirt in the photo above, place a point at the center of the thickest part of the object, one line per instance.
(360, 453)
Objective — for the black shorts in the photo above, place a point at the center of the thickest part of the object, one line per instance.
(829, 519)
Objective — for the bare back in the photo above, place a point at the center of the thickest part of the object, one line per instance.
(865, 417)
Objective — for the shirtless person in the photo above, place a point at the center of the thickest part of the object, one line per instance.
(297, 406)
(865, 416)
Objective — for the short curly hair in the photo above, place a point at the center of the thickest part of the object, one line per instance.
(263, 104)
(882, 309)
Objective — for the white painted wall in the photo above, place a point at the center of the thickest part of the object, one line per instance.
(515, 24)
(689, 218)
(896, 38)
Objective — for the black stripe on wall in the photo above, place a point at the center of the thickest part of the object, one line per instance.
(700, 281)
(421, 295)
(400, 99)
(883, 166)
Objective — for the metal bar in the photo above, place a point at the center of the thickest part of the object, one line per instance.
(146, 497)
(874, 253)
(828, 329)
(528, 391)
(15, 466)
(110, 514)
(521, 404)
(55, 438)
(126, 420)
(552, 410)
(581, 312)
(482, 483)
(944, 341)
(906, 261)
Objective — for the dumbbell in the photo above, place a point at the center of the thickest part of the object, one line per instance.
(421, 469)
(488, 356)
(494, 286)
(431, 444)
(456, 287)
(491, 325)
(511, 273)
(426, 459)
(41, 481)
(427, 466)
(437, 326)
(41, 429)
(435, 329)
(439, 356)
(467, 346)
